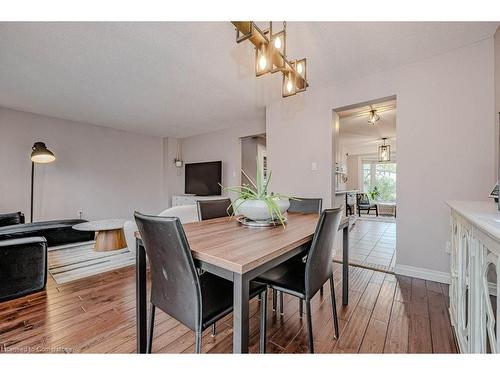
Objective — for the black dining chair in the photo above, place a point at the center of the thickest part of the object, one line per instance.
(304, 280)
(214, 208)
(305, 206)
(197, 301)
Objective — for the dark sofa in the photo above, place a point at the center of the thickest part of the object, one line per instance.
(23, 266)
(56, 232)
(23, 252)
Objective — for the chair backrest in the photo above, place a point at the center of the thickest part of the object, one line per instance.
(213, 208)
(306, 205)
(175, 285)
(363, 198)
(186, 214)
(320, 256)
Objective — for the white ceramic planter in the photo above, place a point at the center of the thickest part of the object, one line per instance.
(257, 209)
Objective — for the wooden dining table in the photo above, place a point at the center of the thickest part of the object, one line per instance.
(239, 253)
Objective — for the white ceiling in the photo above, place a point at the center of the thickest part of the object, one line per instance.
(181, 79)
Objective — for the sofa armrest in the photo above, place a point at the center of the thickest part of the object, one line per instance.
(23, 266)
(11, 219)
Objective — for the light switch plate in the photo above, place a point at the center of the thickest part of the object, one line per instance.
(314, 166)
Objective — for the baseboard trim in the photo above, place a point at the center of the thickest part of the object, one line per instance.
(422, 273)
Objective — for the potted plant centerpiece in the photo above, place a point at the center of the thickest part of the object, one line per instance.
(256, 204)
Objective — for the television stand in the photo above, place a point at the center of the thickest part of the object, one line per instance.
(190, 199)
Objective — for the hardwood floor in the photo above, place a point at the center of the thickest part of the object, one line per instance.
(386, 314)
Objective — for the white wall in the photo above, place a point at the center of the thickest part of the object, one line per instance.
(444, 103)
(299, 133)
(108, 173)
(497, 91)
(353, 172)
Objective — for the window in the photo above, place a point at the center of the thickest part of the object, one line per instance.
(383, 177)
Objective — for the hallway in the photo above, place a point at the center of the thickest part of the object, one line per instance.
(372, 244)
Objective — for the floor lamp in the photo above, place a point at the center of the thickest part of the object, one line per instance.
(39, 154)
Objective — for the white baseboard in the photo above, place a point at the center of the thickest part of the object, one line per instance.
(422, 273)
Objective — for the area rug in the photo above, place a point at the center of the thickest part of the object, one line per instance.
(77, 261)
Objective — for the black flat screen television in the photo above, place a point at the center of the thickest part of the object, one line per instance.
(203, 178)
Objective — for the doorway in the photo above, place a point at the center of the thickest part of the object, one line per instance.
(365, 168)
(253, 159)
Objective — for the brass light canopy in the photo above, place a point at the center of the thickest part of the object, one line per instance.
(270, 55)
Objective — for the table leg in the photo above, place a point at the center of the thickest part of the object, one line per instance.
(140, 295)
(345, 265)
(241, 286)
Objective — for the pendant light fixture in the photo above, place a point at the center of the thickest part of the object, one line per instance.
(373, 117)
(384, 152)
(270, 55)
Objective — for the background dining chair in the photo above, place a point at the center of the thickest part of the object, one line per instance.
(197, 301)
(363, 202)
(305, 206)
(303, 280)
(215, 208)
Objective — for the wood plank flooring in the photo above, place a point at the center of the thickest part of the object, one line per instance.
(386, 314)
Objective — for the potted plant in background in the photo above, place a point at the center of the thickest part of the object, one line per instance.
(256, 204)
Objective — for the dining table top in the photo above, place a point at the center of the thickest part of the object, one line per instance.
(226, 243)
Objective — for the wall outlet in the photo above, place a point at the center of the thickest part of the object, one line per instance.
(314, 166)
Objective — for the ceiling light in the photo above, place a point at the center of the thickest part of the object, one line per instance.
(374, 117)
(277, 43)
(384, 152)
(289, 88)
(270, 55)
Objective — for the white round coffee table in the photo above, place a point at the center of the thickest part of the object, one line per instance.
(110, 235)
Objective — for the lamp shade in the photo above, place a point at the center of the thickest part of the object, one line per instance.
(41, 154)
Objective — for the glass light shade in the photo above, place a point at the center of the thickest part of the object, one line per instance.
(41, 154)
(301, 81)
(384, 153)
(262, 60)
(373, 118)
(288, 88)
(278, 41)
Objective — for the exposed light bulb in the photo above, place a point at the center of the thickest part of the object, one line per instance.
(300, 68)
(277, 43)
(262, 62)
(289, 86)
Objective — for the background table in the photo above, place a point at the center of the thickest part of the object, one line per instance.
(110, 234)
(238, 253)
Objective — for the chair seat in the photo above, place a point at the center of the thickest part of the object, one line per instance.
(288, 277)
(372, 205)
(217, 297)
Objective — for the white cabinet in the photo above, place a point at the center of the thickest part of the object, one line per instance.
(188, 199)
(474, 267)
